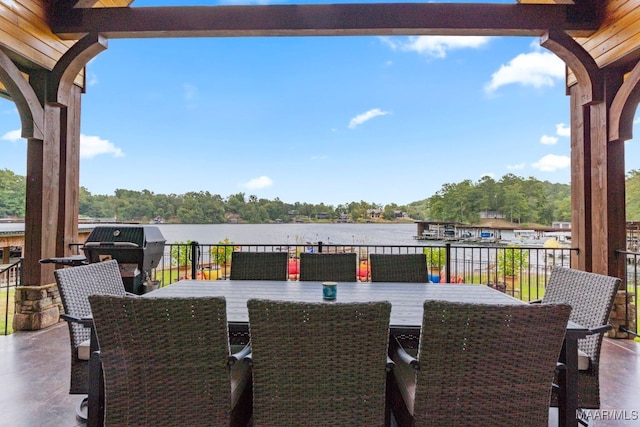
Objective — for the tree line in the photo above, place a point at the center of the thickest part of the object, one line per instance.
(518, 199)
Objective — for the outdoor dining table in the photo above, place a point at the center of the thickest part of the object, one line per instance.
(406, 310)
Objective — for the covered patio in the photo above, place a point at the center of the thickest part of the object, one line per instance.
(45, 46)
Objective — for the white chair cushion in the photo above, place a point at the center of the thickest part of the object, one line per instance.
(84, 351)
(583, 361)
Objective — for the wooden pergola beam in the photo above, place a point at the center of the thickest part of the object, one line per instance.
(324, 20)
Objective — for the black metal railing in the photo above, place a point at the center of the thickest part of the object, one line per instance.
(630, 286)
(519, 271)
(10, 277)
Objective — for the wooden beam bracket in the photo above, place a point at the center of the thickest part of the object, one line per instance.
(623, 107)
(72, 62)
(29, 107)
(581, 63)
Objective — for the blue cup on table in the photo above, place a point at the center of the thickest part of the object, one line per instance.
(329, 290)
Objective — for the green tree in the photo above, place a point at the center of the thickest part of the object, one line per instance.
(12, 194)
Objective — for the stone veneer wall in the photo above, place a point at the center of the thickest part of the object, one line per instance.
(623, 308)
(37, 307)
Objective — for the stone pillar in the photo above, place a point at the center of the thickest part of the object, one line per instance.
(36, 307)
(623, 308)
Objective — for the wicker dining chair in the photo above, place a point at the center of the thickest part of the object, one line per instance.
(319, 363)
(410, 268)
(259, 266)
(339, 267)
(166, 362)
(479, 364)
(75, 284)
(591, 297)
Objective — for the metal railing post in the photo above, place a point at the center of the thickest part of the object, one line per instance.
(447, 262)
(195, 256)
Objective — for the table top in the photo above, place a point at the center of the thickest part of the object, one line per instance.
(406, 298)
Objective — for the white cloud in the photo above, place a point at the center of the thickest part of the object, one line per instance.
(552, 162)
(12, 135)
(518, 166)
(361, 118)
(190, 91)
(92, 80)
(11, 110)
(258, 183)
(535, 69)
(435, 46)
(91, 146)
(548, 140)
(563, 130)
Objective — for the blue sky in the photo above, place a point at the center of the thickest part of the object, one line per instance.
(317, 119)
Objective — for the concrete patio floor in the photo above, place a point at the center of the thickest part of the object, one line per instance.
(34, 373)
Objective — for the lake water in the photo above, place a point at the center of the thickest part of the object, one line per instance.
(341, 234)
(347, 234)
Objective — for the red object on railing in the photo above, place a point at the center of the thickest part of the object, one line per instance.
(294, 268)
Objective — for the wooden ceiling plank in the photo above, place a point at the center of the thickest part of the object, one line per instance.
(320, 20)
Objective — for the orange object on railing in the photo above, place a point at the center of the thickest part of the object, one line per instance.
(364, 271)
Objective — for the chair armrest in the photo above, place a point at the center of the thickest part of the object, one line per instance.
(600, 329)
(244, 354)
(85, 321)
(395, 349)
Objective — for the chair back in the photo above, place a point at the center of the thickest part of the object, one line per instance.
(319, 363)
(259, 266)
(487, 365)
(165, 360)
(339, 267)
(591, 297)
(75, 284)
(410, 268)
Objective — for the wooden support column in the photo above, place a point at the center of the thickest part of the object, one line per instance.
(621, 115)
(43, 169)
(69, 175)
(588, 91)
(597, 163)
(580, 183)
(63, 90)
(49, 108)
(608, 181)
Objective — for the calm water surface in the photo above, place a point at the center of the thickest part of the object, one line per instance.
(347, 234)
